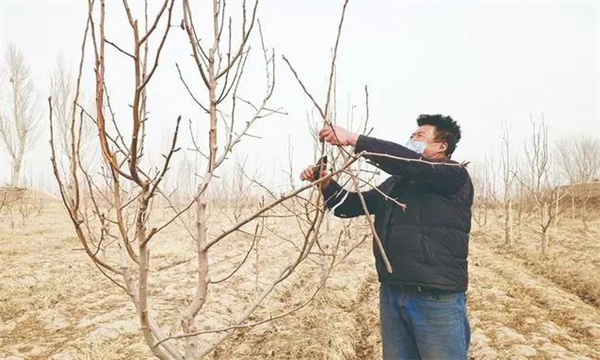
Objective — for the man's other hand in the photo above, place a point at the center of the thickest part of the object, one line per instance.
(337, 135)
(309, 175)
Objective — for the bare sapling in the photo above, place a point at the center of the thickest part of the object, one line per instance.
(540, 182)
(20, 115)
(115, 208)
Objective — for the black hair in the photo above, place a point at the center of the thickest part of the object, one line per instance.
(446, 129)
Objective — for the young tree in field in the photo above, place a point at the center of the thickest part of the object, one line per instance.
(507, 170)
(483, 191)
(65, 93)
(19, 114)
(540, 181)
(586, 207)
(114, 214)
(325, 110)
(62, 91)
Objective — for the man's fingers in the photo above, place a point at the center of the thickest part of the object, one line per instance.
(332, 139)
(324, 132)
(307, 174)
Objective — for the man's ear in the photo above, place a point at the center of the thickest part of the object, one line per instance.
(444, 146)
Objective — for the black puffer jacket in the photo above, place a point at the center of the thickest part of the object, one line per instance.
(428, 242)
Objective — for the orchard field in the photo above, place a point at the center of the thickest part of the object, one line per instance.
(55, 304)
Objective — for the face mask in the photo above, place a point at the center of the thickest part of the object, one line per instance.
(416, 146)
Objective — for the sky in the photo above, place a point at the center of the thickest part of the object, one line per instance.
(480, 62)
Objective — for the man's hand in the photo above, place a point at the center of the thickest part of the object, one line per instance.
(309, 175)
(337, 135)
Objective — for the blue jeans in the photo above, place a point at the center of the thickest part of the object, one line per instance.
(423, 326)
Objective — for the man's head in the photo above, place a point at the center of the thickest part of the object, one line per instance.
(441, 133)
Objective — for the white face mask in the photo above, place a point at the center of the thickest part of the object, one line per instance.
(416, 146)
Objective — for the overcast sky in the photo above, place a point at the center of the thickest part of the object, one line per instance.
(480, 62)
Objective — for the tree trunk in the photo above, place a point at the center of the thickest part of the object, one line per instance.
(544, 243)
(16, 171)
(508, 225)
(192, 350)
(545, 222)
(585, 215)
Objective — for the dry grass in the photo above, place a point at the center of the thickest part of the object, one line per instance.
(54, 302)
(573, 259)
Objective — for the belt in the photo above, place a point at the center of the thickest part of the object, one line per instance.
(416, 289)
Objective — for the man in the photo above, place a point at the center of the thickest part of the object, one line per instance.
(423, 309)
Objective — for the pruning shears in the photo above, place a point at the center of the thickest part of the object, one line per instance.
(320, 166)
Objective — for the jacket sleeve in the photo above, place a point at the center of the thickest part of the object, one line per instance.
(443, 179)
(349, 202)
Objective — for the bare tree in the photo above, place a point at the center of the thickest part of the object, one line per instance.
(507, 170)
(111, 212)
(578, 158)
(540, 181)
(483, 201)
(67, 110)
(62, 91)
(18, 125)
(325, 109)
(586, 206)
